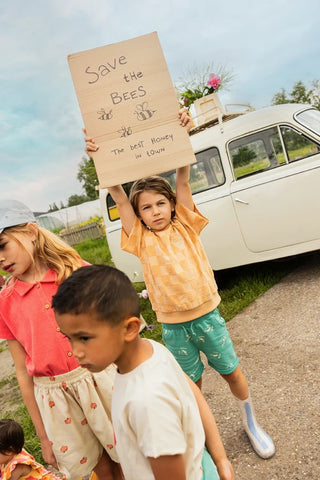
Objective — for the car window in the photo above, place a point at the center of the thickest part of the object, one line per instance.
(297, 145)
(207, 172)
(256, 152)
(310, 119)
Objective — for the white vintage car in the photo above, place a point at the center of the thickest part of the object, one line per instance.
(257, 179)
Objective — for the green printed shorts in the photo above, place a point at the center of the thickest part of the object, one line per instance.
(207, 334)
(210, 471)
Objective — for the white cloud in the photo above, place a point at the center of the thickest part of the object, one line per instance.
(268, 46)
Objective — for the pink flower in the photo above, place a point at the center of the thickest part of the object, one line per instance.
(144, 294)
(214, 81)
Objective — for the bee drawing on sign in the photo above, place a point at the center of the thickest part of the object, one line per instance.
(125, 131)
(143, 112)
(104, 115)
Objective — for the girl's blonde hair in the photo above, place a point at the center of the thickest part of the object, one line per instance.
(49, 249)
(155, 183)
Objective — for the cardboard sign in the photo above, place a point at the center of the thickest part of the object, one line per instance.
(129, 106)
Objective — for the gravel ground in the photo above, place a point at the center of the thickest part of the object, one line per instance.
(278, 342)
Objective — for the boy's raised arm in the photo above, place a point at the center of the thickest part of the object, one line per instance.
(183, 189)
(126, 212)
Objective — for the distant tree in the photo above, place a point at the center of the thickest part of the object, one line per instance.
(299, 94)
(87, 175)
(243, 157)
(53, 207)
(77, 200)
(62, 205)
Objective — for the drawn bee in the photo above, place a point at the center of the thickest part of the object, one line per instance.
(105, 115)
(125, 131)
(143, 112)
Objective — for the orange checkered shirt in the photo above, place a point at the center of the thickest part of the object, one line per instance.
(177, 273)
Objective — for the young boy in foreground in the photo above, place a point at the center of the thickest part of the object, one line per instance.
(157, 424)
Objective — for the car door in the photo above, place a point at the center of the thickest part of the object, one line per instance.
(276, 193)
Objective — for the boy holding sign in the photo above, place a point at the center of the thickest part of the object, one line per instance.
(162, 228)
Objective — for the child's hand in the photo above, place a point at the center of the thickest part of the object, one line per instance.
(185, 119)
(48, 454)
(90, 144)
(225, 470)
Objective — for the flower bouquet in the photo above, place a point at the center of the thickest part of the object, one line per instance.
(190, 95)
(198, 92)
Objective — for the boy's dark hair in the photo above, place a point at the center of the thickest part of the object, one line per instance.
(11, 436)
(100, 289)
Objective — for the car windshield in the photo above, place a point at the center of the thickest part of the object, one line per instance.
(310, 119)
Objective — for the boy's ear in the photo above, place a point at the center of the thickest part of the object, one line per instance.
(132, 325)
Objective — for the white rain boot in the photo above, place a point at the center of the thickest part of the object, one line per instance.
(260, 440)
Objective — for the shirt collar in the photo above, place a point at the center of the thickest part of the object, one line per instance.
(23, 288)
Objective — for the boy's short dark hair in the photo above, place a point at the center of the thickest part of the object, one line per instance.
(100, 289)
(11, 436)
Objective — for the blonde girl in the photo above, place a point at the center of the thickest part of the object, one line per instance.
(69, 406)
(162, 229)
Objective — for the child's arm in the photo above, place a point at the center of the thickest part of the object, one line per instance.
(126, 212)
(20, 471)
(213, 440)
(183, 189)
(27, 390)
(168, 467)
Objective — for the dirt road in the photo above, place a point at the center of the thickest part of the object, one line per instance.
(278, 342)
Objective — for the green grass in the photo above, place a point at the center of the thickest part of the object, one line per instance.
(238, 287)
(95, 251)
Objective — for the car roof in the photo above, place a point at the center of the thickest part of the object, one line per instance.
(244, 124)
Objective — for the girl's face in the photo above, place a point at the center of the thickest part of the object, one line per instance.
(155, 210)
(17, 258)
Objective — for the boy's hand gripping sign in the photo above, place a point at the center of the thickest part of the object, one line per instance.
(129, 106)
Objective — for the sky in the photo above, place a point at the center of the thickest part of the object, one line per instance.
(267, 46)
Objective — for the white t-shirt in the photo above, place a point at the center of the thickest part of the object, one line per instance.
(154, 413)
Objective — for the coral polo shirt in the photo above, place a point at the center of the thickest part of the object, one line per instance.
(26, 315)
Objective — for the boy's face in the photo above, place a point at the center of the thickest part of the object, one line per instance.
(155, 210)
(95, 344)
